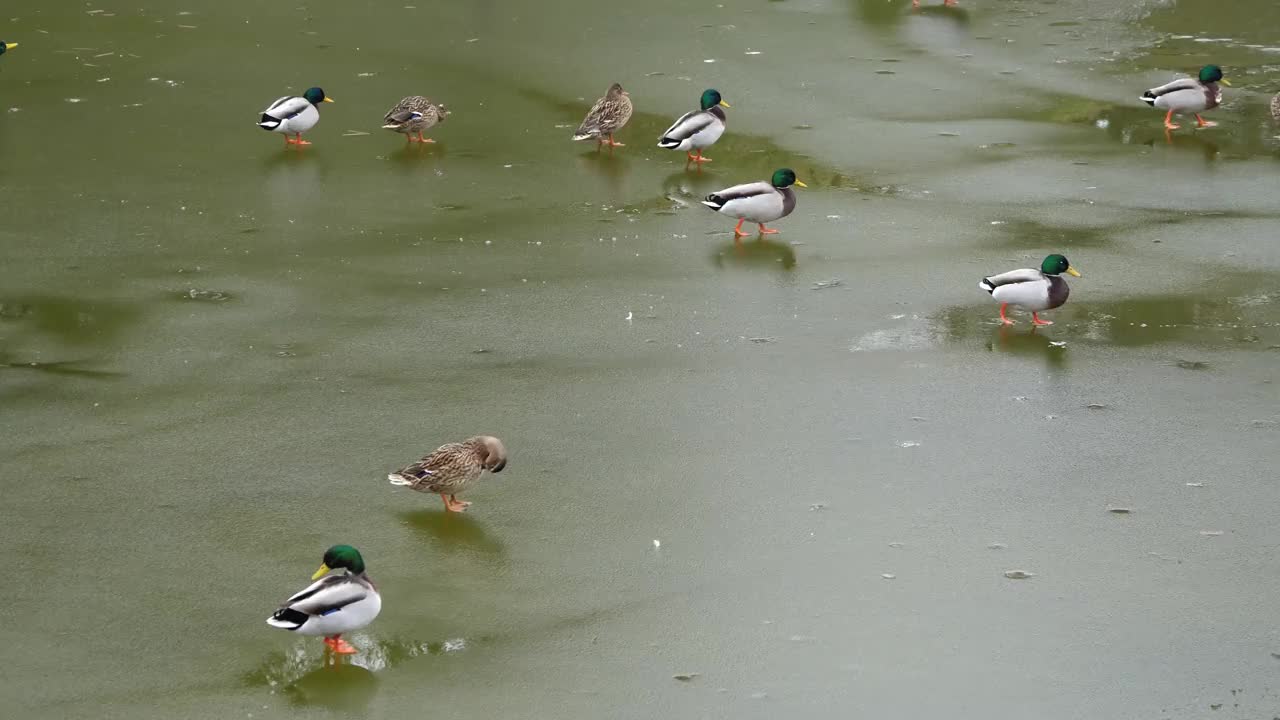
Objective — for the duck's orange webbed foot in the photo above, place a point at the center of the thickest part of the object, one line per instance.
(766, 230)
(737, 230)
(1004, 319)
(340, 646)
(300, 141)
(452, 504)
(1036, 320)
(1201, 122)
(698, 158)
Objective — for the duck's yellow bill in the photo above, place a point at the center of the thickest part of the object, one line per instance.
(10, 46)
(1226, 82)
(328, 99)
(801, 184)
(1073, 272)
(324, 570)
(725, 104)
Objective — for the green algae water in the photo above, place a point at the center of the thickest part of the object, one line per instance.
(793, 472)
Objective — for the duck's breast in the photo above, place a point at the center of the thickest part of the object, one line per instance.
(1058, 292)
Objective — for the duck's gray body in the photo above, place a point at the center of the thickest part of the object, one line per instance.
(1184, 95)
(757, 202)
(1027, 288)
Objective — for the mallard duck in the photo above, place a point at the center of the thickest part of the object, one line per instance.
(759, 202)
(1034, 290)
(294, 114)
(452, 468)
(606, 117)
(1187, 95)
(698, 129)
(413, 115)
(334, 604)
(5, 46)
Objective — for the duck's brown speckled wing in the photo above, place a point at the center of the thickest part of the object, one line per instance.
(448, 468)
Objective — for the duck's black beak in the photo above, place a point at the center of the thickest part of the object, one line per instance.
(498, 468)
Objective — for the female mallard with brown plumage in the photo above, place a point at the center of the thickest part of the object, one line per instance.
(412, 115)
(453, 468)
(606, 117)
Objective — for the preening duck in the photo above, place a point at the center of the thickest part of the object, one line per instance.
(606, 117)
(453, 468)
(334, 604)
(294, 115)
(698, 129)
(1188, 95)
(759, 202)
(1035, 290)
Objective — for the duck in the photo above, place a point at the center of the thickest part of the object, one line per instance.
(1035, 290)
(759, 202)
(606, 117)
(697, 129)
(335, 603)
(1187, 95)
(6, 46)
(453, 468)
(294, 114)
(412, 115)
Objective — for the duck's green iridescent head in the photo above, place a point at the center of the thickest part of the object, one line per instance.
(315, 96)
(1212, 74)
(785, 177)
(6, 46)
(711, 98)
(340, 556)
(1056, 264)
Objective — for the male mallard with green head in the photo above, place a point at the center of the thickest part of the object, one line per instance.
(1188, 95)
(333, 604)
(1035, 290)
(412, 115)
(698, 129)
(759, 202)
(294, 114)
(606, 117)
